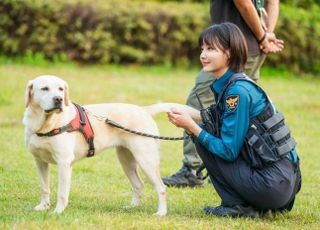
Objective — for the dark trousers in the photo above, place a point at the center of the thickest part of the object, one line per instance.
(273, 187)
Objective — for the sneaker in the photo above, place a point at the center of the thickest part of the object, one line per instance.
(185, 177)
(234, 211)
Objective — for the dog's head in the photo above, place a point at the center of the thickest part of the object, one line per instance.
(48, 92)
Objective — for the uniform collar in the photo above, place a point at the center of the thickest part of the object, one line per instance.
(218, 84)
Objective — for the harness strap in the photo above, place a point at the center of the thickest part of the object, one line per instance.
(81, 114)
(86, 129)
(80, 123)
(56, 131)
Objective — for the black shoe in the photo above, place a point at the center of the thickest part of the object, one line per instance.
(185, 177)
(234, 211)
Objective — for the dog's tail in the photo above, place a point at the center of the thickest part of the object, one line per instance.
(166, 107)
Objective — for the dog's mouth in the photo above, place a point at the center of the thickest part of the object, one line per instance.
(55, 109)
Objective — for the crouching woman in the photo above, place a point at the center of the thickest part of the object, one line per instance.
(243, 141)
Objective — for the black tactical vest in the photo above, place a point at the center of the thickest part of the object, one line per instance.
(268, 138)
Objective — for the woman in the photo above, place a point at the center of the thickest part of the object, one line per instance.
(248, 150)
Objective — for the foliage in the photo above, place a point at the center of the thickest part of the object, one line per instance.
(296, 3)
(302, 3)
(142, 32)
(109, 32)
(300, 29)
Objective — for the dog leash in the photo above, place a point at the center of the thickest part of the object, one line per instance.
(117, 125)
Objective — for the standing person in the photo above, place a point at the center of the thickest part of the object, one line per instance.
(246, 146)
(260, 40)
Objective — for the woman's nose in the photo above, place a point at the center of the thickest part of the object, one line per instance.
(202, 55)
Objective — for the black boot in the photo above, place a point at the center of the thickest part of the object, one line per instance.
(185, 177)
(233, 211)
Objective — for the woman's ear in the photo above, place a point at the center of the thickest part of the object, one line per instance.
(28, 93)
(228, 54)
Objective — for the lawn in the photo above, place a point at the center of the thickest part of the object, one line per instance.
(100, 190)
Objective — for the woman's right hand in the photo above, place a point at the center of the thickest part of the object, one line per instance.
(183, 120)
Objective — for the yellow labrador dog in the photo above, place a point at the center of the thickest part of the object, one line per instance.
(48, 107)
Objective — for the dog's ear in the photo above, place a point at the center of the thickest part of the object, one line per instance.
(28, 93)
(66, 94)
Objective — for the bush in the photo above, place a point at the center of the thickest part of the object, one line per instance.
(121, 33)
(143, 32)
(300, 29)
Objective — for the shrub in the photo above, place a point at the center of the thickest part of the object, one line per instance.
(143, 32)
(300, 29)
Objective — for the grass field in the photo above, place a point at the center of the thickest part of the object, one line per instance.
(100, 190)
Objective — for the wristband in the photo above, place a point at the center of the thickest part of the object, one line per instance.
(263, 38)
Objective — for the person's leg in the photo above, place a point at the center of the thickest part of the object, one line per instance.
(253, 65)
(218, 176)
(244, 190)
(269, 188)
(232, 203)
(297, 187)
(202, 88)
(186, 176)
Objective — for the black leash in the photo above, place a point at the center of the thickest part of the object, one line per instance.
(117, 125)
(199, 170)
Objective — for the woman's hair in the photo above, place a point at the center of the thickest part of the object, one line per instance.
(227, 37)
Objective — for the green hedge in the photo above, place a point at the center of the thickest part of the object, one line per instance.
(300, 29)
(115, 31)
(146, 32)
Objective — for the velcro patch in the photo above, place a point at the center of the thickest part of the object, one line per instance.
(232, 102)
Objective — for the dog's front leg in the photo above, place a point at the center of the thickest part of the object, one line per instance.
(43, 171)
(64, 179)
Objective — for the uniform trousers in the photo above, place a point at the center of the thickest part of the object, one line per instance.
(271, 188)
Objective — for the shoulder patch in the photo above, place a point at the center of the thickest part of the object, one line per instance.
(232, 102)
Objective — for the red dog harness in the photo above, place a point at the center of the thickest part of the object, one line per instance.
(80, 123)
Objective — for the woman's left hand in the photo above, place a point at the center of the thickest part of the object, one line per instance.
(183, 120)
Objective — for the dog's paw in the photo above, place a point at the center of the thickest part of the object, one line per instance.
(135, 203)
(42, 206)
(61, 205)
(128, 207)
(58, 210)
(161, 213)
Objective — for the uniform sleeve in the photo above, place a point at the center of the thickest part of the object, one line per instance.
(235, 123)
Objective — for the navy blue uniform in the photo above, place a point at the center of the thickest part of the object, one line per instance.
(273, 187)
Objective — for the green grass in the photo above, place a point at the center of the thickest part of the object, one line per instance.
(100, 190)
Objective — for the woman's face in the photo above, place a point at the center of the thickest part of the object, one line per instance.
(214, 60)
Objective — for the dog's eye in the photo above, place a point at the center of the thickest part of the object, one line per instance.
(60, 89)
(45, 88)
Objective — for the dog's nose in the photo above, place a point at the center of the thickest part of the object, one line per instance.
(57, 100)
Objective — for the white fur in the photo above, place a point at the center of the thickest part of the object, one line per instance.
(67, 148)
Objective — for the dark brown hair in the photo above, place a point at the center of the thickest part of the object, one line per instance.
(227, 37)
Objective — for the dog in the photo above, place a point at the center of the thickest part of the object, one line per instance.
(48, 107)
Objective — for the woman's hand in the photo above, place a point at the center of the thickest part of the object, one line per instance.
(183, 120)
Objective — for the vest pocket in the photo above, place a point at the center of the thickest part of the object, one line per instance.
(256, 150)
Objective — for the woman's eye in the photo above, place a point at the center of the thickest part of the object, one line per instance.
(45, 88)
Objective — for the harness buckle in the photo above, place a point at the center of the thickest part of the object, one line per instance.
(90, 153)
